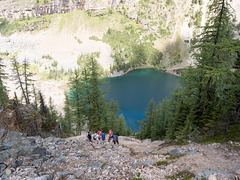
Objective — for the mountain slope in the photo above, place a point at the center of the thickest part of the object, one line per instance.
(75, 157)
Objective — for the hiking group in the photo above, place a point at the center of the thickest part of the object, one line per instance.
(100, 137)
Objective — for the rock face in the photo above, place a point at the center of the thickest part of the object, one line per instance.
(17, 9)
(75, 158)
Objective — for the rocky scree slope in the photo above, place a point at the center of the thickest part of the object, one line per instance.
(75, 158)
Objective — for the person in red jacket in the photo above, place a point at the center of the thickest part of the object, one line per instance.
(110, 134)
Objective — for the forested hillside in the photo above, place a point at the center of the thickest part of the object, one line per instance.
(208, 103)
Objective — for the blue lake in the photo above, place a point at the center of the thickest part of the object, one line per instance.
(134, 91)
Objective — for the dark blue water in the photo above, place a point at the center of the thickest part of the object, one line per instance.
(134, 91)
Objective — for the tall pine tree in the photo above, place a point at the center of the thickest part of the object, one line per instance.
(3, 89)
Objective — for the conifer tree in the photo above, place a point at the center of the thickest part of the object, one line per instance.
(18, 77)
(66, 122)
(212, 73)
(147, 124)
(77, 100)
(52, 114)
(22, 75)
(121, 126)
(95, 94)
(27, 76)
(3, 89)
(43, 107)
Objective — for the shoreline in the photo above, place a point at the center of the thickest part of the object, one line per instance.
(122, 73)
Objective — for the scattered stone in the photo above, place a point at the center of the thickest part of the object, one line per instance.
(78, 173)
(93, 165)
(72, 158)
(8, 171)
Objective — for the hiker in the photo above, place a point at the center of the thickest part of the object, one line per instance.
(103, 138)
(100, 132)
(115, 139)
(95, 137)
(89, 135)
(110, 134)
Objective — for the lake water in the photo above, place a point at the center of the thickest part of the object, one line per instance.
(134, 91)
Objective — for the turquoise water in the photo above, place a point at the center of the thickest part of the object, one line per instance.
(134, 91)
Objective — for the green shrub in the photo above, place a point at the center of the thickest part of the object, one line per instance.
(175, 157)
(184, 175)
(162, 163)
(47, 57)
(95, 38)
(78, 40)
(169, 2)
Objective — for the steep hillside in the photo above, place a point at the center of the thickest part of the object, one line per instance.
(75, 158)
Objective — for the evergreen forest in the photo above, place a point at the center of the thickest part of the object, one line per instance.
(208, 103)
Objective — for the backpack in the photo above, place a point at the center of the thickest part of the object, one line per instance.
(95, 136)
(103, 136)
(89, 135)
(115, 138)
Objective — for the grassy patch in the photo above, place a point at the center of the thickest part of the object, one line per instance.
(162, 163)
(95, 38)
(184, 175)
(25, 24)
(78, 40)
(175, 157)
(130, 49)
(47, 57)
(43, 1)
(233, 135)
(4, 53)
(103, 165)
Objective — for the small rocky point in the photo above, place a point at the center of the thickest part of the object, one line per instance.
(33, 157)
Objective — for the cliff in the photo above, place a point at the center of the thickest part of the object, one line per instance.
(16, 9)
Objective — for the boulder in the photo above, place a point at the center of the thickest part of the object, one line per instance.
(60, 159)
(62, 175)
(115, 3)
(144, 163)
(45, 177)
(39, 150)
(3, 133)
(213, 173)
(238, 172)
(4, 156)
(30, 150)
(180, 151)
(4, 147)
(2, 168)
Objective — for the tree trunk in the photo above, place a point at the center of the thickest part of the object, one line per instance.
(237, 114)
